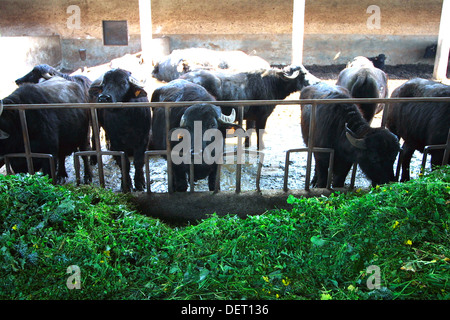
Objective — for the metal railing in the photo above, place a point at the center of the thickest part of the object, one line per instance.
(29, 155)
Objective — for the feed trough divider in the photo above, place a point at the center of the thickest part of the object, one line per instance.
(29, 155)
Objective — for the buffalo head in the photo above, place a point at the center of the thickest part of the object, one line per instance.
(37, 74)
(199, 140)
(376, 152)
(117, 85)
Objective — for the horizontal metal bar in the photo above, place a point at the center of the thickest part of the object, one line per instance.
(31, 155)
(313, 150)
(221, 103)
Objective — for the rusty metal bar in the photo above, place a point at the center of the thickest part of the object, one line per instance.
(239, 153)
(147, 154)
(223, 103)
(120, 154)
(427, 149)
(26, 140)
(217, 182)
(314, 149)
(191, 176)
(168, 152)
(167, 105)
(258, 172)
(312, 124)
(32, 155)
(385, 111)
(353, 177)
(98, 147)
(447, 150)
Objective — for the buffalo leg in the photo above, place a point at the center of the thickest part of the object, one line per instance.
(179, 178)
(320, 171)
(250, 124)
(87, 170)
(340, 172)
(212, 179)
(62, 173)
(126, 187)
(260, 127)
(406, 161)
(139, 179)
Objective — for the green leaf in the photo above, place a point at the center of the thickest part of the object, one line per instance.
(318, 241)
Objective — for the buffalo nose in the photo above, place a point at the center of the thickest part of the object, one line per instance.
(104, 98)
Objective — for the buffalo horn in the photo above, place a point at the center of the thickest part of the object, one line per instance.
(135, 81)
(295, 72)
(183, 121)
(356, 142)
(228, 119)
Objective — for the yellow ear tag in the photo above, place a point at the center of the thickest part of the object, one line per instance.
(137, 92)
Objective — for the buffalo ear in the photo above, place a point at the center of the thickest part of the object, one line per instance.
(95, 89)
(137, 87)
(139, 93)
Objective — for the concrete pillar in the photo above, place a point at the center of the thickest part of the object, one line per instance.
(145, 17)
(442, 52)
(298, 28)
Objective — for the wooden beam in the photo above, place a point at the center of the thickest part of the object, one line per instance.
(443, 46)
(145, 17)
(298, 28)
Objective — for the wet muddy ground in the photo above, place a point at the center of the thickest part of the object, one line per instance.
(282, 133)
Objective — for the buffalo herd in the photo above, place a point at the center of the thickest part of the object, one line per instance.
(345, 127)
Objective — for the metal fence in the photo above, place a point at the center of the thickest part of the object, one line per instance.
(97, 151)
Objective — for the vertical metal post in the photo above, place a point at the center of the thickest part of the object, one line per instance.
(286, 172)
(169, 151)
(353, 177)
(447, 150)
(146, 28)
(298, 27)
(443, 46)
(239, 152)
(191, 176)
(312, 124)
(98, 147)
(385, 114)
(26, 141)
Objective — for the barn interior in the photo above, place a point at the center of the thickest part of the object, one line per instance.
(89, 37)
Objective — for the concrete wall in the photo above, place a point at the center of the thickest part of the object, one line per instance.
(261, 27)
(20, 54)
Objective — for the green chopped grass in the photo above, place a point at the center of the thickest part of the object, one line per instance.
(322, 248)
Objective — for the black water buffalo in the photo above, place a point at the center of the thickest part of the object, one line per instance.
(420, 124)
(363, 80)
(44, 72)
(341, 127)
(430, 51)
(203, 124)
(378, 61)
(56, 131)
(269, 84)
(176, 90)
(127, 128)
(182, 61)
